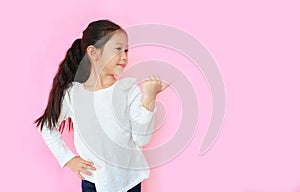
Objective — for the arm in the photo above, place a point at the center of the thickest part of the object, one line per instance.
(143, 107)
(54, 140)
(141, 116)
(57, 146)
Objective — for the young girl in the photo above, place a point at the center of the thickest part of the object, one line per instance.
(112, 118)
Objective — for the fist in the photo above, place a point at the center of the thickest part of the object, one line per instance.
(153, 85)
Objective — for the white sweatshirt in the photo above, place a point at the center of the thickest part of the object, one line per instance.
(110, 126)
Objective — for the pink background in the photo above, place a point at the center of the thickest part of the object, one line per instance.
(256, 46)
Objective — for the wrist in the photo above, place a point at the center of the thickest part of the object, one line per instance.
(149, 102)
(149, 96)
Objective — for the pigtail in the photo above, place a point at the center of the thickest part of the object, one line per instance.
(62, 81)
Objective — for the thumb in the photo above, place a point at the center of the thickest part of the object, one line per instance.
(165, 86)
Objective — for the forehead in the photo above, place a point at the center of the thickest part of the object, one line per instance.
(119, 38)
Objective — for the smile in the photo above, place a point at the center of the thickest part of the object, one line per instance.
(121, 65)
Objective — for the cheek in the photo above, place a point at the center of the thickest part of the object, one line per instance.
(111, 61)
(109, 66)
(112, 65)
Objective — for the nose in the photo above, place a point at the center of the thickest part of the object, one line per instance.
(124, 56)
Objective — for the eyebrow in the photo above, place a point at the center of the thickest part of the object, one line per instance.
(120, 44)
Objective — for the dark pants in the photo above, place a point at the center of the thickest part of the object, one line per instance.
(90, 187)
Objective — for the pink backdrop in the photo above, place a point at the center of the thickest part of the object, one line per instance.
(256, 46)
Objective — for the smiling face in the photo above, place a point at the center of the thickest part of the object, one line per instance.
(114, 58)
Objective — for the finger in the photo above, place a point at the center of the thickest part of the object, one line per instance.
(157, 77)
(83, 170)
(91, 167)
(165, 86)
(79, 175)
(87, 162)
(152, 77)
(90, 163)
(147, 79)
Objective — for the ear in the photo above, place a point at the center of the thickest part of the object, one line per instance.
(93, 52)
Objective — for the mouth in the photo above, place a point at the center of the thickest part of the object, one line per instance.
(122, 65)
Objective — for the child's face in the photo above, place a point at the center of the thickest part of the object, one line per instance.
(114, 56)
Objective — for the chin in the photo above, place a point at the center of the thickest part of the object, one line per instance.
(117, 73)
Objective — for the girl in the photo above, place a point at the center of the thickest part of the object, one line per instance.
(112, 118)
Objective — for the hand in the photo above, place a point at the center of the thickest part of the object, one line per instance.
(77, 165)
(153, 85)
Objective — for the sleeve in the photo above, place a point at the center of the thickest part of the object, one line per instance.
(53, 138)
(142, 120)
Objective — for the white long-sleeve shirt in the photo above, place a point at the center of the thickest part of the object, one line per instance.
(110, 126)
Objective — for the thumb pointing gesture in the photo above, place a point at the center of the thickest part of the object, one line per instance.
(165, 86)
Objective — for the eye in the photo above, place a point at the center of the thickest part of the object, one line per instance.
(119, 49)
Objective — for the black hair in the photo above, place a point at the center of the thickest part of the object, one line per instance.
(74, 67)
